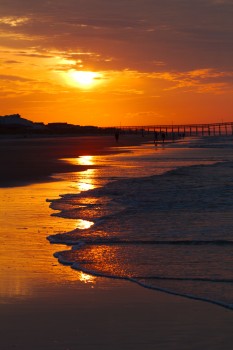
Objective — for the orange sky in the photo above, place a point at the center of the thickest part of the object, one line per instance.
(149, 62)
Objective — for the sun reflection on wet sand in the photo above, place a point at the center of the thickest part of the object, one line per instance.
(80, 180)
(84, 181)
(83, 224)
(26, 257)
(84, 277)
(82, 160)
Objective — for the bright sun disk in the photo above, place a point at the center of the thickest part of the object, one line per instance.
(84, 78)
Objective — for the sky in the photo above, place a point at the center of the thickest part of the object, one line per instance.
(117, 63)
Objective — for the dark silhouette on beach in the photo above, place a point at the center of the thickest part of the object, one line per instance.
(163, 136)
(117, 135)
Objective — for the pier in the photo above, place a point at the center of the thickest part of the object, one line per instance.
(212, 129)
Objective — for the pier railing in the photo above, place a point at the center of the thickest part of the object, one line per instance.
(224, 128)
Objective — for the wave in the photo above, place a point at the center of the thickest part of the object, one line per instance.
(60, 239)
(169, 232)
(143, 281)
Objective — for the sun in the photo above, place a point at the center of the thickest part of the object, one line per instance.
(84, 79)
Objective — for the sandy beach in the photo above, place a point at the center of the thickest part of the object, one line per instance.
(113, 315)
(45, 305)
(28, 160)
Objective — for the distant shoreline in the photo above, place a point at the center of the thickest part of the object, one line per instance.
(35, 159)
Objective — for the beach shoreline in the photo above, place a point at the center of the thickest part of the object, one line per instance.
(52, 307)
(31, 160)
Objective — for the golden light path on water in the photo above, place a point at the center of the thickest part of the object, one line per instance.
(85, 181)
(26, 257)
(82, 160)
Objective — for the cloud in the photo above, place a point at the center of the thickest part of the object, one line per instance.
(205, 80)
(145, 48)
(14, 78)
(33, 54)
(181, 34)
(12, 62)
(221, 2)
(14, 21)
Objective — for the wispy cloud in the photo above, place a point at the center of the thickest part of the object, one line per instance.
(205, 80)
(13, 78)
(148, 52)
(14, 21)
(170, 31)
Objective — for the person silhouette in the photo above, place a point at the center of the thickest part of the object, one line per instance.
(163, 136)
(117, 135)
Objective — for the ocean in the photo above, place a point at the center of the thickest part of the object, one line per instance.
(158, 215)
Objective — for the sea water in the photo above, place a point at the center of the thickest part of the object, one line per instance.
(158, 215)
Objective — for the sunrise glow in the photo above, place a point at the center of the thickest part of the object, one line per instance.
(84, 79)
(86, 65)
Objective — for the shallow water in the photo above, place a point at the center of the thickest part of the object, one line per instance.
(28, 267)
(160, 216)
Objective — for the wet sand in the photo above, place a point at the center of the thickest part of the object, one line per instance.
(115, 316)
(30, 160)
(44, 305)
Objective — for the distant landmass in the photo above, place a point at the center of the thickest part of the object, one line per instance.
(15, 124)
(15, 120)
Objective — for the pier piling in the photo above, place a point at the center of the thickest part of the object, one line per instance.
(224, 128)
